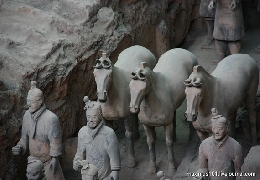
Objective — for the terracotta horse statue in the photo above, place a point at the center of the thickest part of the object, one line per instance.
(113, 92)
(157, 94)
(234, 81)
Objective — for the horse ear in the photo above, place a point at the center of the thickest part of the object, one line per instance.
(143, 65)
(199, 68)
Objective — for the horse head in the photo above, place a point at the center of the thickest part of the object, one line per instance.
(103, 76)
(139, 86)
(194, 95)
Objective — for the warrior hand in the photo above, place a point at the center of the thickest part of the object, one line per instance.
(233, 6)
(114, 174)
(17, 150)
(211, 5)
(53, 166)
(77, 165)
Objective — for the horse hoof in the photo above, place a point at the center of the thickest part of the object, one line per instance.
(152, 168)
(131, 162)
(171, 170)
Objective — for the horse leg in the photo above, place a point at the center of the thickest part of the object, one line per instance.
(136, 126)
(174, 128)
(232, 124)
(129, 135)
(169, 144)
(250, 105)
(149, 131)
(202, 135)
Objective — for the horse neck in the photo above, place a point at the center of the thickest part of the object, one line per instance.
(210, 85)
(114, 89)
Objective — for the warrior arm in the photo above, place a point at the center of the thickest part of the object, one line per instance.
(203, 160)
(238, 158)
(24, 141)
(113, 151)
(80, 148)
(55, 138)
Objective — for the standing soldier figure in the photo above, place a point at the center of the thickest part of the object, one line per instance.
(228, 26)
(41, 134)
(98, 155)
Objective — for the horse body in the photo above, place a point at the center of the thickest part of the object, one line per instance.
(112, 88)
(234, 81)
(158, 93)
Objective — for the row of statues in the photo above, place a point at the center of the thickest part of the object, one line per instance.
(154, 92)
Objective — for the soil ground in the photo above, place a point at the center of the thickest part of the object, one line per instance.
(185, 152)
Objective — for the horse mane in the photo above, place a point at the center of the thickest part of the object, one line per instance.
(199, 68)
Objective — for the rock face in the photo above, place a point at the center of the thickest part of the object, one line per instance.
(56, 43)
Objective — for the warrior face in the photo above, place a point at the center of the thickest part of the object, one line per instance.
(219, 130)
(34, 102)
(93, 117)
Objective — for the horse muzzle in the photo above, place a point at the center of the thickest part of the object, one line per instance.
(134, 109)
(191, 117)
(102, 96)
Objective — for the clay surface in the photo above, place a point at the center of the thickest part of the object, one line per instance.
(113, 92)
(98, 149)
(157, 94)
(203, 91)
(220, 156)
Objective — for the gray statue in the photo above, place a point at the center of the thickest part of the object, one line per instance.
(220, 154)
(98, 149)
(224, 89)
(157, 94)
(41, 134)
(113, 92)
(209, 17)
(35, 169)
(228, 26)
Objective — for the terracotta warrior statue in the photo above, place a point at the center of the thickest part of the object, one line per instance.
(209, 16)
(98, 155)
(35, 169)
(41, 134)
(219, 153)
(228, 26)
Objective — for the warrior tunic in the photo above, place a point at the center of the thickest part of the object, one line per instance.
(99, 147)
(41, 133)
(224, 157)
(228, 25)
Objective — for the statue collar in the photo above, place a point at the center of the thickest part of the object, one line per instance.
(94, 132)
(219, 143)
(35, 116)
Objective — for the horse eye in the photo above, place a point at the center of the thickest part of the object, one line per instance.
(97, 62)
(110, 75)
(199, 94)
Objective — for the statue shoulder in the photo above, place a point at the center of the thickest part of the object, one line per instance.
(50, 116)
(207, 142)
(234, 143)
(83, 130)
(108, 132)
